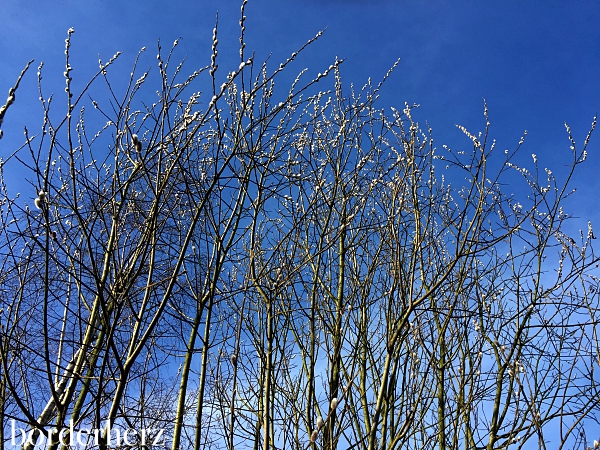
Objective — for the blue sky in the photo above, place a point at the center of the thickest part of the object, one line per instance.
(537, 64)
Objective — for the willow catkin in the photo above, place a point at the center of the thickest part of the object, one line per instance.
(320, 422)
(334, 402)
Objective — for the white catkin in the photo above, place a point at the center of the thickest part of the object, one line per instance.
(314, 435)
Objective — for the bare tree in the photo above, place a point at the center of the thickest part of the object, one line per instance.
(249, 267)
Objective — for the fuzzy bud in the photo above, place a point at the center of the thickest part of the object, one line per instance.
(314, 435)
(233, 360)
(135, 139)
(334, 402)
(38, 203)
(320, 422)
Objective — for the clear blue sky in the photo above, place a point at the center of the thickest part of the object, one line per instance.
(537, 63)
